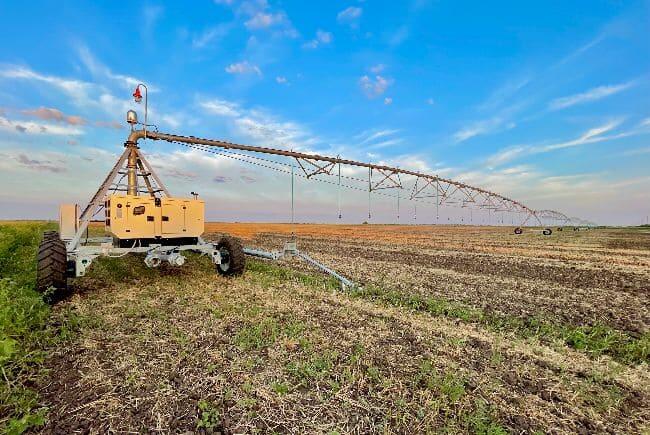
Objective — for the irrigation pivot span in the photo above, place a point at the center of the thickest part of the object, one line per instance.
(379, 177)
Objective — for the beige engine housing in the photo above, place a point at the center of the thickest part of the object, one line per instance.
(144, 217)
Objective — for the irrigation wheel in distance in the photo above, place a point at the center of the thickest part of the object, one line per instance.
(233, 259)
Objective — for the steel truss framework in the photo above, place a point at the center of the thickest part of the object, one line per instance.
(441, 191)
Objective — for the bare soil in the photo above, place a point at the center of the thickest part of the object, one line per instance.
(183, 350)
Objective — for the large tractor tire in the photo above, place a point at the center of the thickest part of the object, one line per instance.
(51, 277)
(233, 259)
(518, 231)
(547, 232)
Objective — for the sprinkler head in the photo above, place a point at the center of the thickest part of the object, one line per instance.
(131, 117)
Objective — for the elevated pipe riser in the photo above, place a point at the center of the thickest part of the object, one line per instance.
(132, 168)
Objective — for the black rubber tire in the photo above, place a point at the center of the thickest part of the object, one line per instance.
(547, 232)
(233, 259)
(518, 231)
(50, 235)
(51, 277)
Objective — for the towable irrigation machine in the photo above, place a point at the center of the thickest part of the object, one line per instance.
(142, 217)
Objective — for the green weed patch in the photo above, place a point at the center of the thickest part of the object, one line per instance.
(593, 339)
(24, 331)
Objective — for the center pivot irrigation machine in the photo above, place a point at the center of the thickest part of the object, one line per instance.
(144, 218)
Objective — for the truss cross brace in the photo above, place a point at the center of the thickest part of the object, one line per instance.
(390, 179)
(314, 167)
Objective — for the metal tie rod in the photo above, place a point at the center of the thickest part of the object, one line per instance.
(345, 283)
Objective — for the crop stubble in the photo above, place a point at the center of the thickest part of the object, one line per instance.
(268, 352)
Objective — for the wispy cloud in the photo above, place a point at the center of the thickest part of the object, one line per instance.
(483, 127)
(378, 139)
(637, 151)
(109, 124)
(30, 127)
(349, 16)
(220, 107)
(151, 14)
(386, 143)
(282, 80)
(593, 135)
(101, 72)
(504, 93)
(211, 35)
(505, 156)
(374, 87)
(588, 96)
(40, 165)
(263, 20)
(243, 68)
(377, 69)
(76, 89)
(322, 38)
(260, 125)
(50, 114)
(400, 35)
(370, 136)
(258, 15)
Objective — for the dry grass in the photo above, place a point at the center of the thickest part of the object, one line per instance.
(280, 351)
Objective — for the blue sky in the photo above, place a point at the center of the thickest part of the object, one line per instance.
(548, 103)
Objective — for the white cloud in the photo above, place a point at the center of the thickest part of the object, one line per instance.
(263, 20)
(430, 101)
(374, 87)
(76, 89)
(281, 80)
(221, 107)
(386, 143)
(243, 68)
(504, 93)
(505, 156)
(645, 122)
(171, 120)
(210, 35)
(388, 101)
(85, 95)
(371, 136)
(398, 36)
(349, 15)
(30, 127)
(102, 72)
(593, 135)
(376, 69)
(260, 125)
(590, 95)
(479, 128)
(322, 38)
(258, 15)
(50, 114)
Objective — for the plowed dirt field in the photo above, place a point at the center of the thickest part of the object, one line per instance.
(454, 329)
